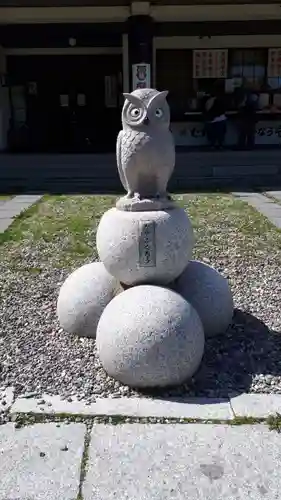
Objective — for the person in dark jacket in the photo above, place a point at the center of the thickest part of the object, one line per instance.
(247, 120)
(215, 120)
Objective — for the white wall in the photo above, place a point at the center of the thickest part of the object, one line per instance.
(161, 13)
(215, 12)
(218, 42)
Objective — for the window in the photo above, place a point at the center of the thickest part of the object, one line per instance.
(18, 102)
(174, 73)
(249, 64)
(274, 82)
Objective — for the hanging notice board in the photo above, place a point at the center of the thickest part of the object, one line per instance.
(141, 76)
(210, 63)
(274, 63)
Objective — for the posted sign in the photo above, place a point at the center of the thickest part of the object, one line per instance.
(210, 63)
(274, 63)
(141, 76)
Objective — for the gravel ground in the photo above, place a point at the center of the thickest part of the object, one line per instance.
(58, 236)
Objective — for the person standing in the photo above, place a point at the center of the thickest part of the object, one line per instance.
(215, 120)
(247, 120)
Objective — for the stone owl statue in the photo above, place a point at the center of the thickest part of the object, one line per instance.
(145, 147)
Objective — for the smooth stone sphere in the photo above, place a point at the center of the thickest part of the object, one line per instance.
(209, 293)
(145, 247)
(149, 336)
(83, 297)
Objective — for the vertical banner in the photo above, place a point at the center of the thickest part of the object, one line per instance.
(141, 76)
(274, 63)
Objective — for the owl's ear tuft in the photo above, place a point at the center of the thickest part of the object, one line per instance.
(133, 99)
(160, 97)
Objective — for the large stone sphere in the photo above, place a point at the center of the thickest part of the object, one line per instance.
(145, 247)
(83, 297)
(209, 293)
(149, 336)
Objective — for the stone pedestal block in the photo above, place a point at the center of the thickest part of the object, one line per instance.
(83, 297)
(150, 336)
(209, 293)
(145, 247)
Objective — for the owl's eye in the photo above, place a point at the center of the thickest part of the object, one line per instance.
(135, 112)
(158, 113)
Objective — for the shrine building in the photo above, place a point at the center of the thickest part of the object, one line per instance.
(64, 65)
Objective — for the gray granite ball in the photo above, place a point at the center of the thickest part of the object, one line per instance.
(149, 336)
(209, 293)
(83, 297)
(145, 247)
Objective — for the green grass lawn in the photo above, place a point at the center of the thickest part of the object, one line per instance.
(62, 230)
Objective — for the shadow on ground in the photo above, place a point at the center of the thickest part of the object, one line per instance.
(233, 362)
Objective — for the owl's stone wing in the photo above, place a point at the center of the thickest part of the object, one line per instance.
(119, 159)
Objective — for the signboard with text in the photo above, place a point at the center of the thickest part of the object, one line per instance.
(210, 63)
(274, 63)
(141, 76)
(193, 133)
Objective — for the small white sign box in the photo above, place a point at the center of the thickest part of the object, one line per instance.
(141, 76)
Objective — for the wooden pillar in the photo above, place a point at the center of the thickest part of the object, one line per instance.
(140, 48)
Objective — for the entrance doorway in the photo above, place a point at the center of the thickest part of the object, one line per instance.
(65, 103)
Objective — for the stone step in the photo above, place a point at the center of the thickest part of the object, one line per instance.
(181, 181)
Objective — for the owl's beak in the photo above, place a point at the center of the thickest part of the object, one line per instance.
(146, 121)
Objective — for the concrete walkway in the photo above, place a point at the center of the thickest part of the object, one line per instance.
(275, 195)
(139, 462)
(266, 205)
(12, 208)
(58, 450)
(134, 461)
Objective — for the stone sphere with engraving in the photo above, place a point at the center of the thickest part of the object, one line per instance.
(145, 247)
(209, 293)
(83, 297)
(149, 336)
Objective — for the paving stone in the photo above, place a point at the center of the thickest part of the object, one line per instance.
(4, 224)
(271, 209)
(8, 214)
(14, 207)
(263, 205)
(6, 398)
(26, 198)
(256, 405)
(275, 194)
(197, 408)
(276, 221)
(41, 462)
(20, 203)
(193, 461)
